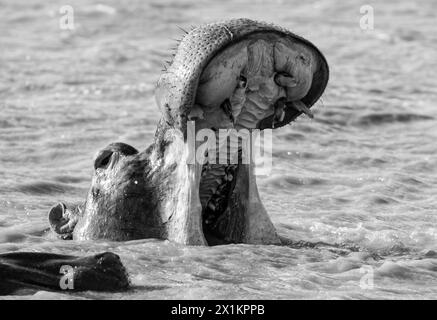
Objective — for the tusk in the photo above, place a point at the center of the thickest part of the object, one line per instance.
(299, 105)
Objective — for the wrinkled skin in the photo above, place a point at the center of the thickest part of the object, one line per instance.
(158, 192)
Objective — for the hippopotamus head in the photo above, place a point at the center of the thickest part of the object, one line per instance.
(234, 75)
(117, 202)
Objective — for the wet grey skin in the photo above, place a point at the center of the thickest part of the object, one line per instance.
(237, 74)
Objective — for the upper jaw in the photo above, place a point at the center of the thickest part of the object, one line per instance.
(177, 87)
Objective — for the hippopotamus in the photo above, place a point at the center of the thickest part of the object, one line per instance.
(224, 77)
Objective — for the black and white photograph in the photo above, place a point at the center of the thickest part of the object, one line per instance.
(240, 151)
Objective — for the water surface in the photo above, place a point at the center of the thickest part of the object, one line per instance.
(352, 189)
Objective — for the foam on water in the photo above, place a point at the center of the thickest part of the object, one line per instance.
(353, 188)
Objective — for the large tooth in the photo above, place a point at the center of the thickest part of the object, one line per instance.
(238, 99)
(299, 105)
(279, 112)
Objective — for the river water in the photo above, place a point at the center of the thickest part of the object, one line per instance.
(354, 189)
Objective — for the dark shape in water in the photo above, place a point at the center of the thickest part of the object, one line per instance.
(27, 272)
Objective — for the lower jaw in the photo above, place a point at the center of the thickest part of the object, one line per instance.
(245, 220)
(222, 214)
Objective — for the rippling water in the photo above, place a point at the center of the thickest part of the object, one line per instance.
(355, 187)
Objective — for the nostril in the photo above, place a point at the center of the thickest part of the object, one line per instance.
(103, 159)
(110, 156)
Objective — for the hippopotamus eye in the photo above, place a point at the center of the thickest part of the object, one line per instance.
(102, 160)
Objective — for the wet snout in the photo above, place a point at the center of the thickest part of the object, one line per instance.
(114, 200)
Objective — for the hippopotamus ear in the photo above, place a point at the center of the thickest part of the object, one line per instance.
(62, 220)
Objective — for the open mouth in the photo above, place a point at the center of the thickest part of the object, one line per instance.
(259, 82)
(215, 190)
(231, 80)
